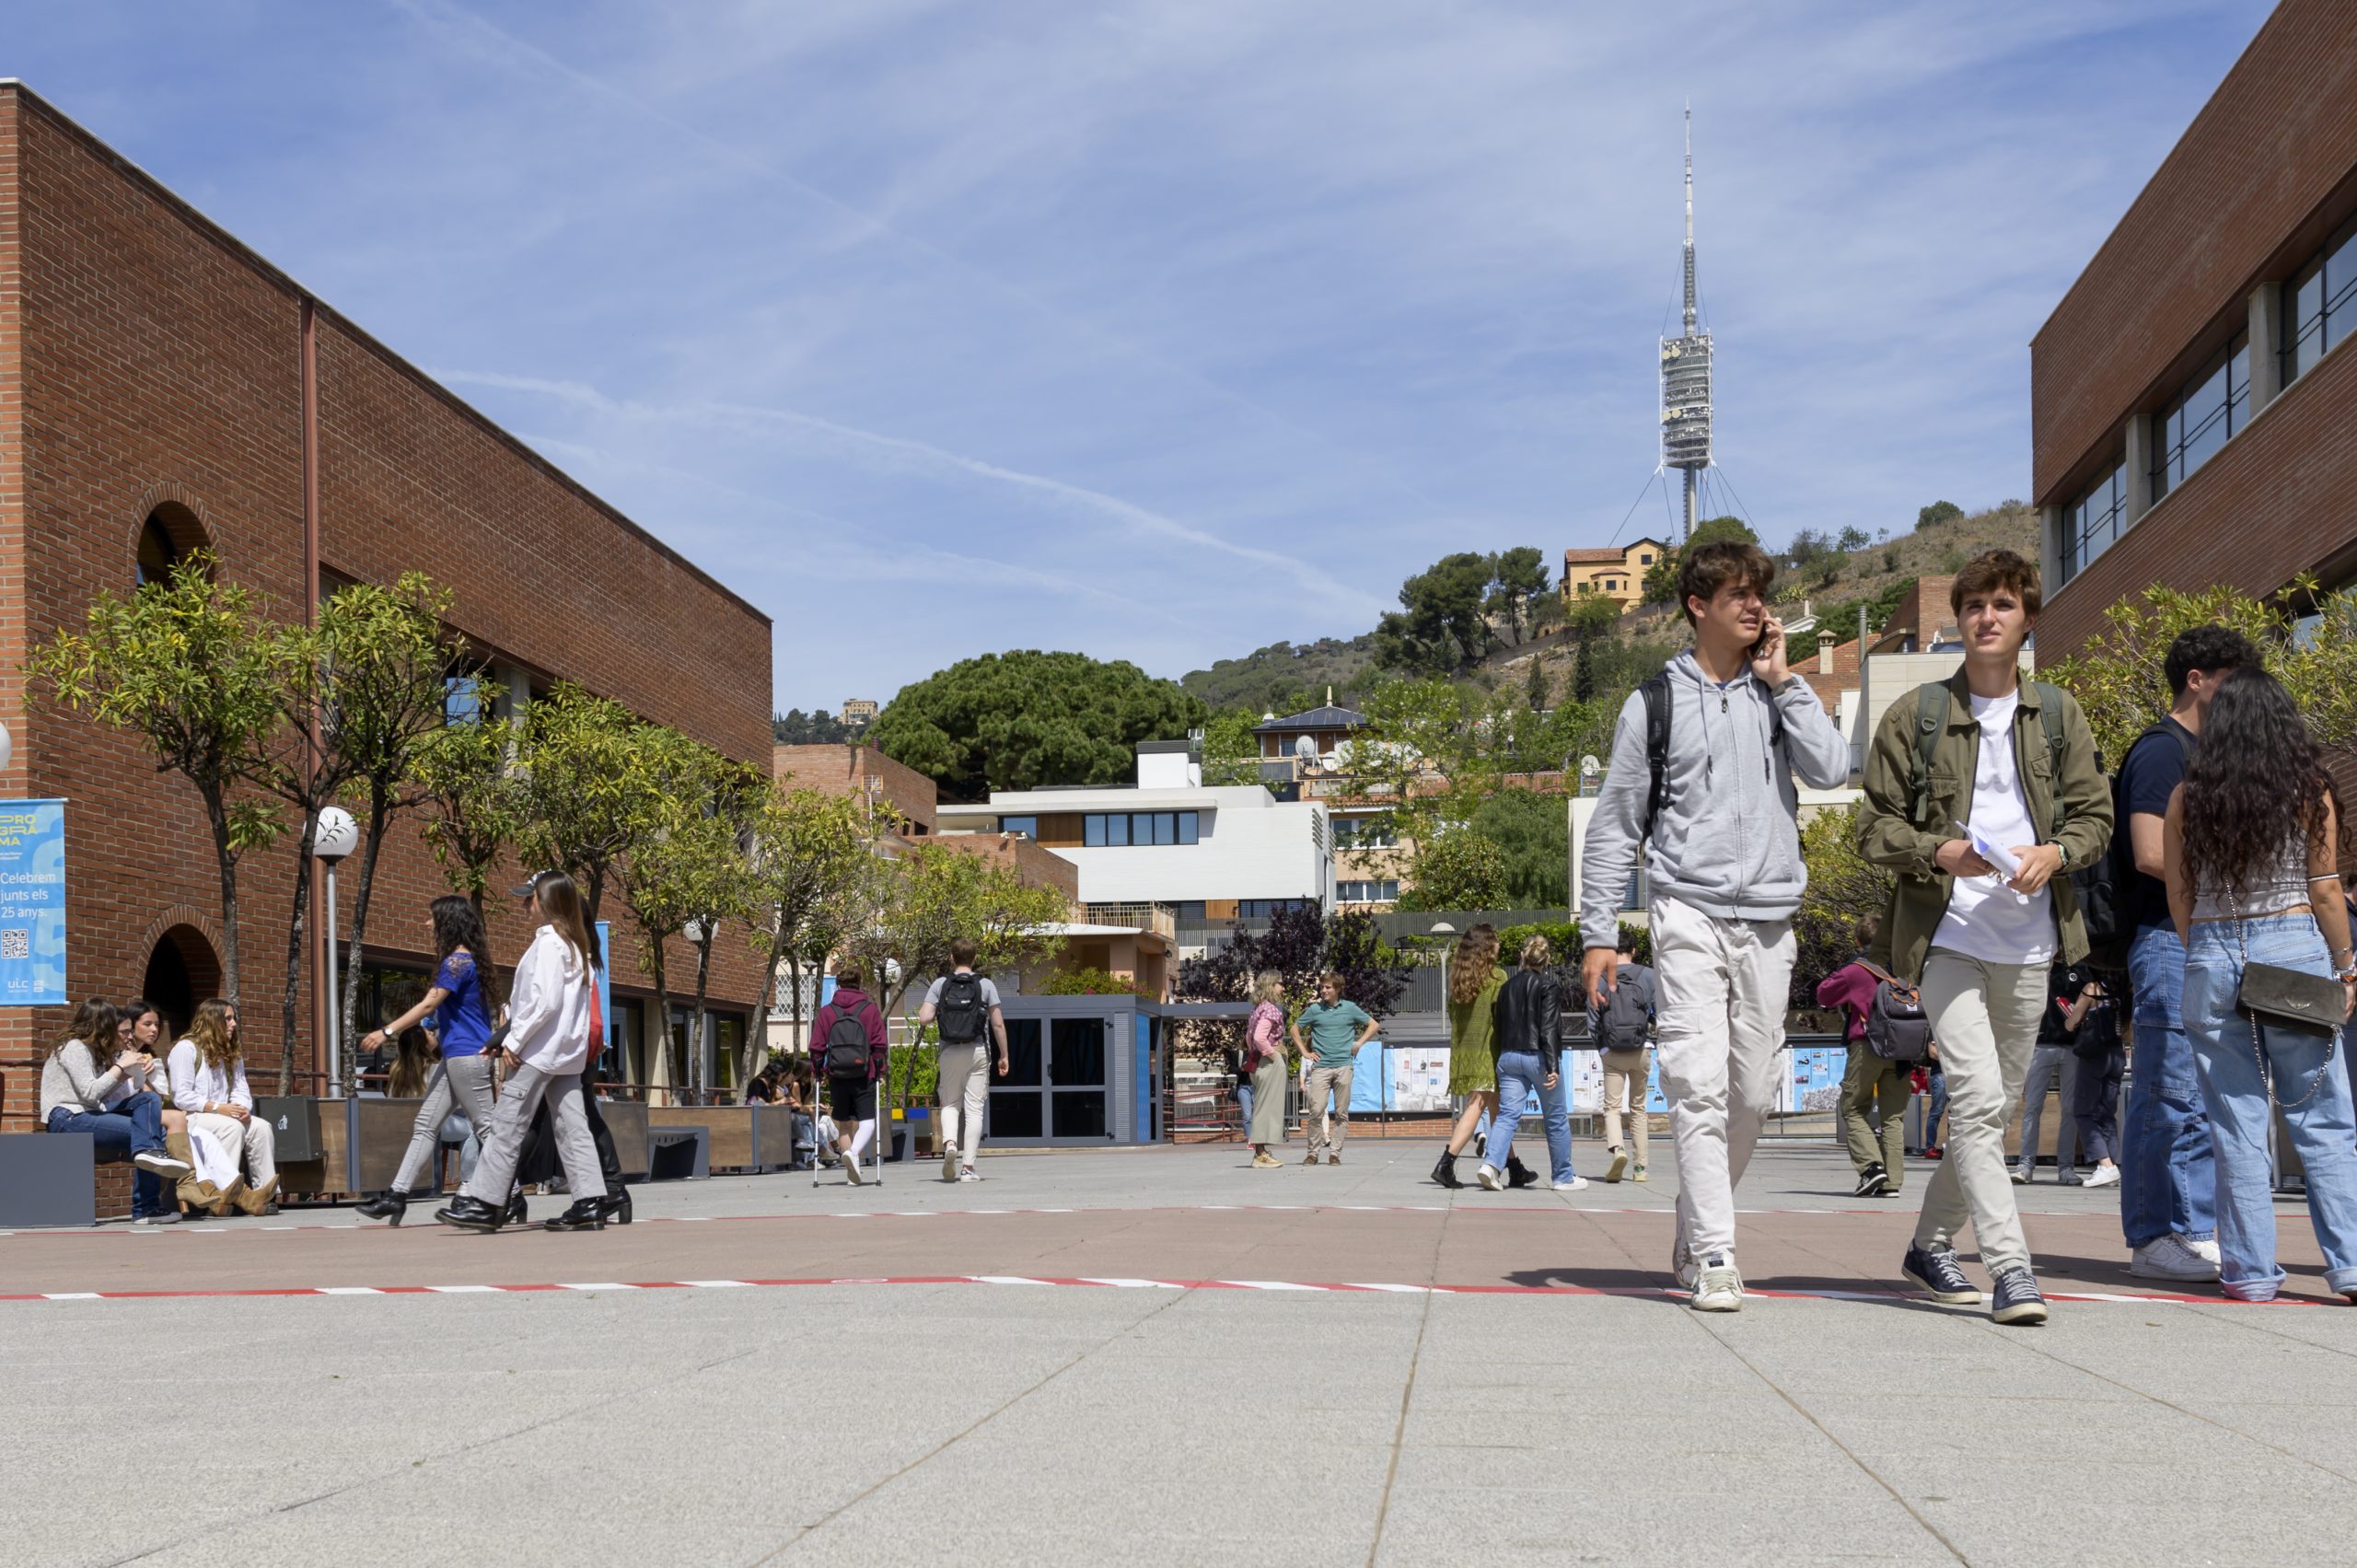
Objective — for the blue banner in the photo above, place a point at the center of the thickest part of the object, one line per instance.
(605, 990)
(33, 903)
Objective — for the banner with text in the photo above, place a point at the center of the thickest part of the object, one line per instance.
(33, 903)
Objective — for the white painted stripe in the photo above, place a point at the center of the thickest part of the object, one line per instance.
(350, 1290)
(1006, 1280)
(464, 1290)
(1137, 1284)
(70, 1295)
(689, 1219)
(1404, 1290)
(1269, 1285)
(718, 1284)
(607, 1285)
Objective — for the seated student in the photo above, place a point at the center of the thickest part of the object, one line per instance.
(208, 1072)
(79, 1094)
(801, 1094)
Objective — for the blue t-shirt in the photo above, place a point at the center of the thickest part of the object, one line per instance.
(462, 1022)
(2155, 767)
(1334, 1031)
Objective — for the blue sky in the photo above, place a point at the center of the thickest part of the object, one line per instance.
(1166, 330)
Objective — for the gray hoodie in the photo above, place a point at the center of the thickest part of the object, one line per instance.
(1726, 842)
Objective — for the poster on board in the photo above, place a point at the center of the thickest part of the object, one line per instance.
(33, 903)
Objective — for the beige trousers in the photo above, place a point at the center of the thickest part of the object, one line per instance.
(1985, 1018)
(965, 1088)
(257, 1138)
(1628, 1076)
(1325, 1133)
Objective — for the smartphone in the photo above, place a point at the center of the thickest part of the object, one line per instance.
(1769, 632)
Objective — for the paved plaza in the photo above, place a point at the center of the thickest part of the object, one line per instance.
(1154, 1356)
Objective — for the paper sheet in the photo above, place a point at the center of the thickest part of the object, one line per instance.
(2008, 865)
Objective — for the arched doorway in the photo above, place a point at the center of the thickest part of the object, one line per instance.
(182, 972)
(171, 534)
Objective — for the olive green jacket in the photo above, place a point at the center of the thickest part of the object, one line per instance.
(1890, 834)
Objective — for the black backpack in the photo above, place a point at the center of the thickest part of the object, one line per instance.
(2107, 888)
(1897, 1029)
(846, 1046)
(960, 1012)
(1655, 690)
(1624, 1021)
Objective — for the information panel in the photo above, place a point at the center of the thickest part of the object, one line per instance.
(33, 903)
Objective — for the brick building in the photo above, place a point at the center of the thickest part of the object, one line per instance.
(163, 387)
(2193, 422)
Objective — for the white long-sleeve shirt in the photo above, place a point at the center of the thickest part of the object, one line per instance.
(197, 1082)
(548, 1005)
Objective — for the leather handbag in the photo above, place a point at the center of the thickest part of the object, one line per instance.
(2291, 999)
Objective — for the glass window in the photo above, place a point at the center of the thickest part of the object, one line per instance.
(1190, 912)
(1092, 831)
(2092, 522)
(461, 699)
(1079, 1115)
(1166, 827)
(1117, 828)
(2189, 432)
(1188, 827)
(1028, 825)
(2320, 303)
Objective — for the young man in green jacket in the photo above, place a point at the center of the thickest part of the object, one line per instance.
(1981, 767)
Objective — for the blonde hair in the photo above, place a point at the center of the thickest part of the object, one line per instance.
(1537, 954)
(210, 1031)
(1470, 965)
(1268, 986)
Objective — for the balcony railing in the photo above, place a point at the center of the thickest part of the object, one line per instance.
(1160, 919)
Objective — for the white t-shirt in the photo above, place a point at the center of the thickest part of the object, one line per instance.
(1985, 919)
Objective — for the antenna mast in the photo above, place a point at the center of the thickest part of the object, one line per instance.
(1686, 376)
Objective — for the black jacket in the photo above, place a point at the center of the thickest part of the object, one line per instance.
(1530, 1017)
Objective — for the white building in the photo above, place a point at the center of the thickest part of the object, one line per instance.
(1212, 855)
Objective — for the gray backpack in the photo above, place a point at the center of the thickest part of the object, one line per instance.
(1897, 1029)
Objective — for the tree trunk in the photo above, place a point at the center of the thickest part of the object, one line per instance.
(662, 1029)
(794, 975)
(216, 812)
(378, 816)
(295, 956)
(761, 1030)
(699, 1026)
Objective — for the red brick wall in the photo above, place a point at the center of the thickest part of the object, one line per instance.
(146, 356)
(2242, 194)
(1037, 865)
(841, 769)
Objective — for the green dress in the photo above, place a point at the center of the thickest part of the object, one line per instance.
(1472, 1027)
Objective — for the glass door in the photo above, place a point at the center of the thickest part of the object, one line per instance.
(1056, 1088)
(1018, 1096)
(1076, 1082)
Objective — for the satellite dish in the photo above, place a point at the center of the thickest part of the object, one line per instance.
(1307, 748)
(1589, 766)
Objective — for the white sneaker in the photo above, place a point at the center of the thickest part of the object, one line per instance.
(1576, 1184)
(2206, 1248)
(1489, 1179)
(850, 1169)
(949, 1162)
(2021, 1176)
(968, 1175)
(2103, 1176)
(1681, 1264)
(2171, 1257)
(1719, 1287)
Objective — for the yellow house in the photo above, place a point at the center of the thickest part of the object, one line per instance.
(1617, 573)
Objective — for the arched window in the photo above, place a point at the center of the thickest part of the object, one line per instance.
(168, 537)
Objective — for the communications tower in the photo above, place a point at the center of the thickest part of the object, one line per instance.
(1686, 376)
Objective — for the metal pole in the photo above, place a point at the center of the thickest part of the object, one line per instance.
(335, 1012)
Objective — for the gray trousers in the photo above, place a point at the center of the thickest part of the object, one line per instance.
(464, 1081)
(494, 1175)
(2047, 1063)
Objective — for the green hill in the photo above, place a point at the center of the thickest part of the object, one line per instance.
(1285, 677)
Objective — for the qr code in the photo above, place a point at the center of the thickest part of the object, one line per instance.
(15, 941)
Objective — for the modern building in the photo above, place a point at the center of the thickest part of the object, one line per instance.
(1210, 855)
(163, 389)
(2193, 406)
(1316, 735)
(1617, 573)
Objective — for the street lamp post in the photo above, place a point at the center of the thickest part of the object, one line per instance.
(333, 836)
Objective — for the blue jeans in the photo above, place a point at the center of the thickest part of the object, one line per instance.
(2226, 1053)
(1556, 1103)
(135, 1127)
(1244, 1101)
(1519, 1075)
(1935, 1082)
(2168, 1172)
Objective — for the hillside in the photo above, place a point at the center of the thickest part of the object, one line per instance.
(1276, 679)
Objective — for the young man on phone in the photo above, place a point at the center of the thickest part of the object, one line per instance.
(1965, 775)
(1701, 785)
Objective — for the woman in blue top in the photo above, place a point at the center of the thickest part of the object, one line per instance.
(461, 1017)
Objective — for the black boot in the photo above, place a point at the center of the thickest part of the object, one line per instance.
(614, 1207)
(471, 1213)
(1519, 1174)
(388, 1206)
(1445, 1171)
(518, 1210)
(587, 1214)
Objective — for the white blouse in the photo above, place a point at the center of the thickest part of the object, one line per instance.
(197, 1082)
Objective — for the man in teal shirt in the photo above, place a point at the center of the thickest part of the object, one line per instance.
(1337, 1029)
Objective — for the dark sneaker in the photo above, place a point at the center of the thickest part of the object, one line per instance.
(162, 1217)
(157, 1162)
(1942, 1276)
(2017, 1299)
(1873, 1182)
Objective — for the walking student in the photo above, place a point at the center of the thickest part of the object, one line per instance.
(2168, 1172)
(1983, 763)
(1336, 1028)
(2093, 1024)
(965, 1005)
(549, 1006)
(2248, 857)
(849, 1040)
(1474, 982)
(461, 1017)
(1529, 1041)
(1264, 1063)
(2053, 1064)
(1623, 1028)
(1701, 787)
(1873, 1105)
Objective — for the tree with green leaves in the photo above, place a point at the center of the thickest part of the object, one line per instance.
(1028, 719)
(1533, 835)
(1843, 889)
(1441, 624)
(1231, 752)
(2119, 678)
(1584, 673)
(1413, 746)
(1591, 615)
(1519, 577)
(1537, 690)
(188, 665)
(809, 850)
(1938, 512)
(594, 787)
(1457, 869)
(474, 795)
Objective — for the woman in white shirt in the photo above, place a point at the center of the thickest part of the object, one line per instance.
(208, 1074)
(547, 1046)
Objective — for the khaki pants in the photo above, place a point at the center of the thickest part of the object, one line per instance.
(965, 1087)
(1985, 1018)
(1869, 1081)
(1628, 1075)
(1269, 1102)
(1326, 1136)
(256, 1138)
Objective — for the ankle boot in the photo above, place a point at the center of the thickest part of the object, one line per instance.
(1445, 1171)
(587, 1214)
(1519, 1174)
(470, 1213)
(388, 1206)
(614, 1207)
(262, 1200)
(518, 1212)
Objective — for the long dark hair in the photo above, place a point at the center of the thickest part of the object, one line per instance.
(457, 925)
(2256, 786)
(95, 1024)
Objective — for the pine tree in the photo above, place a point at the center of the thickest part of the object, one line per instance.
(1583, 673)
(1538, 685)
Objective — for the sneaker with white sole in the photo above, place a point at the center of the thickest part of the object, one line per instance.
(162, 1217)
(1576, 1184)
(2172, 1258)
(1718, 1287)
(2207, 1246)
(2015, 1298)
(2102, 1176)
(1490, 1179)
(1939, 1274)
(967, 1174)
(2021, 1176)
(1620, 1166)
(1681, 1263)
(850, 1169)
(949, 1162)
(162, 1164)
